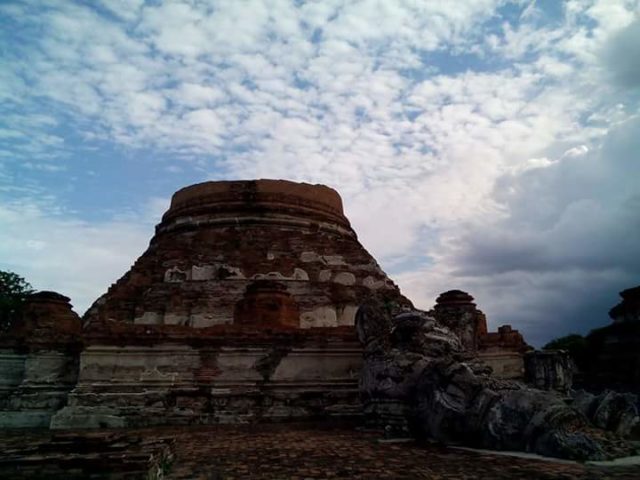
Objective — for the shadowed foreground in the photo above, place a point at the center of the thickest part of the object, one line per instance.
(264, 452)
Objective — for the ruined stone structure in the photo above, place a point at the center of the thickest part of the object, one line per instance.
(549, 370)
(218, 238)
(628, 310)
(614, 362)
(242, 308)
(418, 378)
(457, 311)
(38, 361)
(255, 301)
(503, 350)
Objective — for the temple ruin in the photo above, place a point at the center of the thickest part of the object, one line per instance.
(503, 350)
(243, 309)
(615, 348)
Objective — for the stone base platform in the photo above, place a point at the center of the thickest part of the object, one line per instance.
(507, 364)
(188, 405)
(225, 374)
(34, 385)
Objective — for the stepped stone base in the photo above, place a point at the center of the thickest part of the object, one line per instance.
(178, 384)
(505, 363)
(205, 407)
(33, 386)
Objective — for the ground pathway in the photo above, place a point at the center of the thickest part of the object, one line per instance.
(299, 452)
(267, 451)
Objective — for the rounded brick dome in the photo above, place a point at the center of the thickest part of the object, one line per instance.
(255, 201)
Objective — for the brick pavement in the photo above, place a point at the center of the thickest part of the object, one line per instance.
(264, 452)
(302, 452)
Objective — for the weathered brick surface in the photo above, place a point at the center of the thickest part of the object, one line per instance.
(267, 303)
(218, 238)
(282, 452)
(269, 452)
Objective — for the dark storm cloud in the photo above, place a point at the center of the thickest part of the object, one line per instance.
(581, 212)
(569, 304)
(570, 243)
(622, 56)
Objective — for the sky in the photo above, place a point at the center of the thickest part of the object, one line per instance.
(485, 145)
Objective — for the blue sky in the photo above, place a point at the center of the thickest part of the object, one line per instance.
(485, 145)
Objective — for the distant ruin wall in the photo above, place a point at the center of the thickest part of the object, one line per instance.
(38, 361)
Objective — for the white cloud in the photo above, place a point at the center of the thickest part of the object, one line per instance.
(366, 96)
(55, 251)
(553, 265)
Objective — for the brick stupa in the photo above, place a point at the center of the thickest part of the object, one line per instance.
(502, 350)
(242, 308)
(219, 238)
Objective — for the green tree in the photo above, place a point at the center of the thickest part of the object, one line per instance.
(13, 291)
(576, 345)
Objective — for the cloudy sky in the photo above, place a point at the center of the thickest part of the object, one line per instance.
(486, 145)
